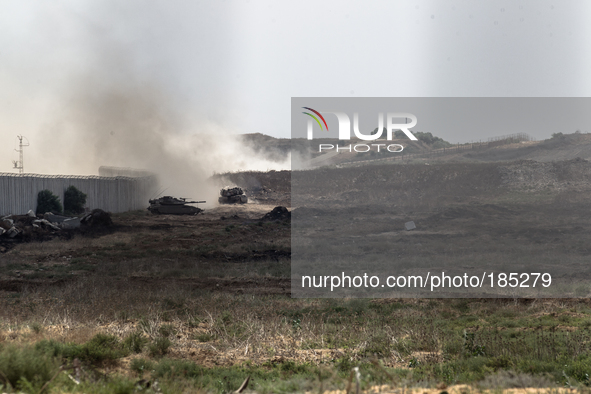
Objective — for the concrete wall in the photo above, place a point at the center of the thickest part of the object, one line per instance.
(18, 192)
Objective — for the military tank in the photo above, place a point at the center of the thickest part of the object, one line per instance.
(232, 195)
(168, 205)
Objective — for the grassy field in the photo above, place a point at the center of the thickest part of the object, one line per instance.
(187, 340)
(198, 304)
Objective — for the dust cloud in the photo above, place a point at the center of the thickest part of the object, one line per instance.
(86, 95)
(133, 124)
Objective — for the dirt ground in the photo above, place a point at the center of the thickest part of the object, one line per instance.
(224, 235)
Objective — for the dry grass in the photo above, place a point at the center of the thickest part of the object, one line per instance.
(218, 290)
(416, 340)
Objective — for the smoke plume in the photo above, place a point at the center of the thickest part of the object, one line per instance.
(85, 98)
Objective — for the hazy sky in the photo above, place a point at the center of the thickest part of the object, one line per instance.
(232, 66)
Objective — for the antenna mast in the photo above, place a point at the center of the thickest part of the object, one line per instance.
(20, 165)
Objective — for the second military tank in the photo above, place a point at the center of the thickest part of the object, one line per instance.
(232, 195)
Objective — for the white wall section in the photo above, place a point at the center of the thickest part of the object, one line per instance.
(112, 194)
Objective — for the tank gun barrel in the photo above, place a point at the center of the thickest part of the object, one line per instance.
(184, 200)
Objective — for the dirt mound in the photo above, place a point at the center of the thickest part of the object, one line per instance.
(97, 217)
(278, 213)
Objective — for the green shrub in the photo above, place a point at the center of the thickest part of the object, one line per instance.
(118, 385)
(74, 200)
(26, 366)
(48, 202)
(453, 346)
(166, 368)
(100, 348)
(159, 347)
(135, 342)
(141, 365)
